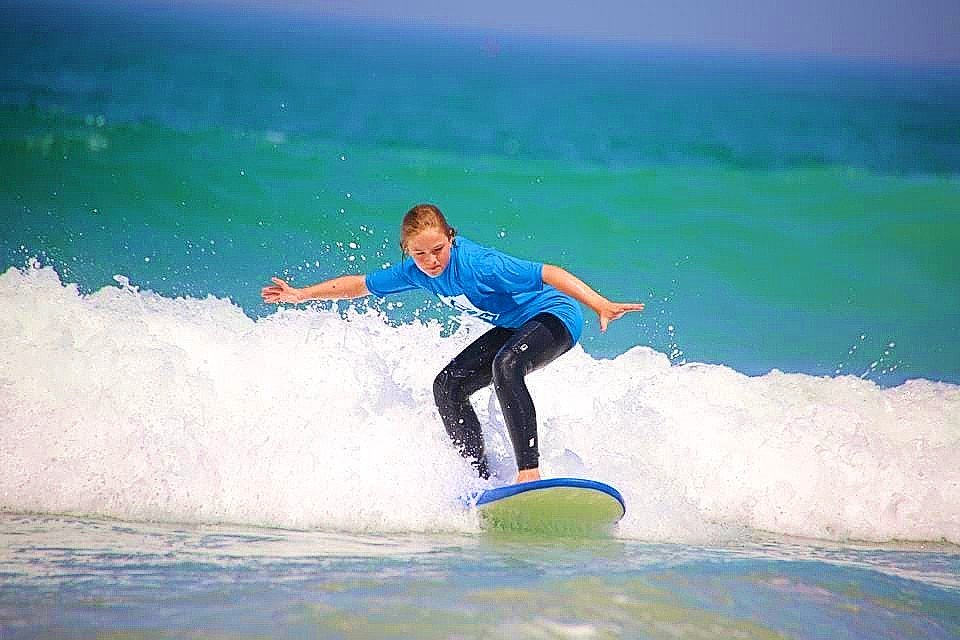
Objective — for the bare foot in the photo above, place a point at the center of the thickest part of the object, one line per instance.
(528, 475)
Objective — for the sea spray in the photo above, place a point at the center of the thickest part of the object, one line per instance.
(128, 404)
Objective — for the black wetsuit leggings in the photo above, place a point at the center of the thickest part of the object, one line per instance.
(502, 356)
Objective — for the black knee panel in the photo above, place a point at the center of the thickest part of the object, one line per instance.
(445, 387)
(508, 367)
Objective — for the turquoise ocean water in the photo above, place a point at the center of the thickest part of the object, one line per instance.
(176, 457)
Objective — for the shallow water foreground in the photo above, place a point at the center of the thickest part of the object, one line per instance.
(65, 577)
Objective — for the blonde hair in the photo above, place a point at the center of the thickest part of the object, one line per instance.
(420, 218)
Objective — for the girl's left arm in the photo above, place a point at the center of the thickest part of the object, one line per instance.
(564, 281)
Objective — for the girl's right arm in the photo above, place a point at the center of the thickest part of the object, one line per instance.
(335, 289)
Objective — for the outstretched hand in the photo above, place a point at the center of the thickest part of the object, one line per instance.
(280, 291)
(611, 311)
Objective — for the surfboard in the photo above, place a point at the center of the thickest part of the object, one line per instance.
(555, 506)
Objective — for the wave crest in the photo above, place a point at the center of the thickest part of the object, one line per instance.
(127, 404)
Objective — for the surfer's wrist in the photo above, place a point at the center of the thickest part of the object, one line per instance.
(599, 304)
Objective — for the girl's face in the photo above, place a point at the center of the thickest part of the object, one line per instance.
(430, 250)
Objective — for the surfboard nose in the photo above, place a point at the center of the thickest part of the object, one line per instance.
(555, 506)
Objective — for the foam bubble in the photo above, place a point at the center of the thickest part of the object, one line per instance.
(127, 404)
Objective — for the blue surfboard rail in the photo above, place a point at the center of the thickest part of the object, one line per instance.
(498, 493)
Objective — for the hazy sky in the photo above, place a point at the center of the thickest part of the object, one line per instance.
(922, 31)
(898, 30)
(928, 31)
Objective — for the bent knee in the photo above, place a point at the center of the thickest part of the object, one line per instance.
(441, 385)
(507, 365)
(447, 385)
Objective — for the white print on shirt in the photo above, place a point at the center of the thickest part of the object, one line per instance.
(462, 304)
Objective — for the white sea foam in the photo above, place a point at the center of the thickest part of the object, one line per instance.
(127, 404)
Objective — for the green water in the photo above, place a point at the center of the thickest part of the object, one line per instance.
(780, 268)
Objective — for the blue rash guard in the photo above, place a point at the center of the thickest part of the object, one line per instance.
(485, 283)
